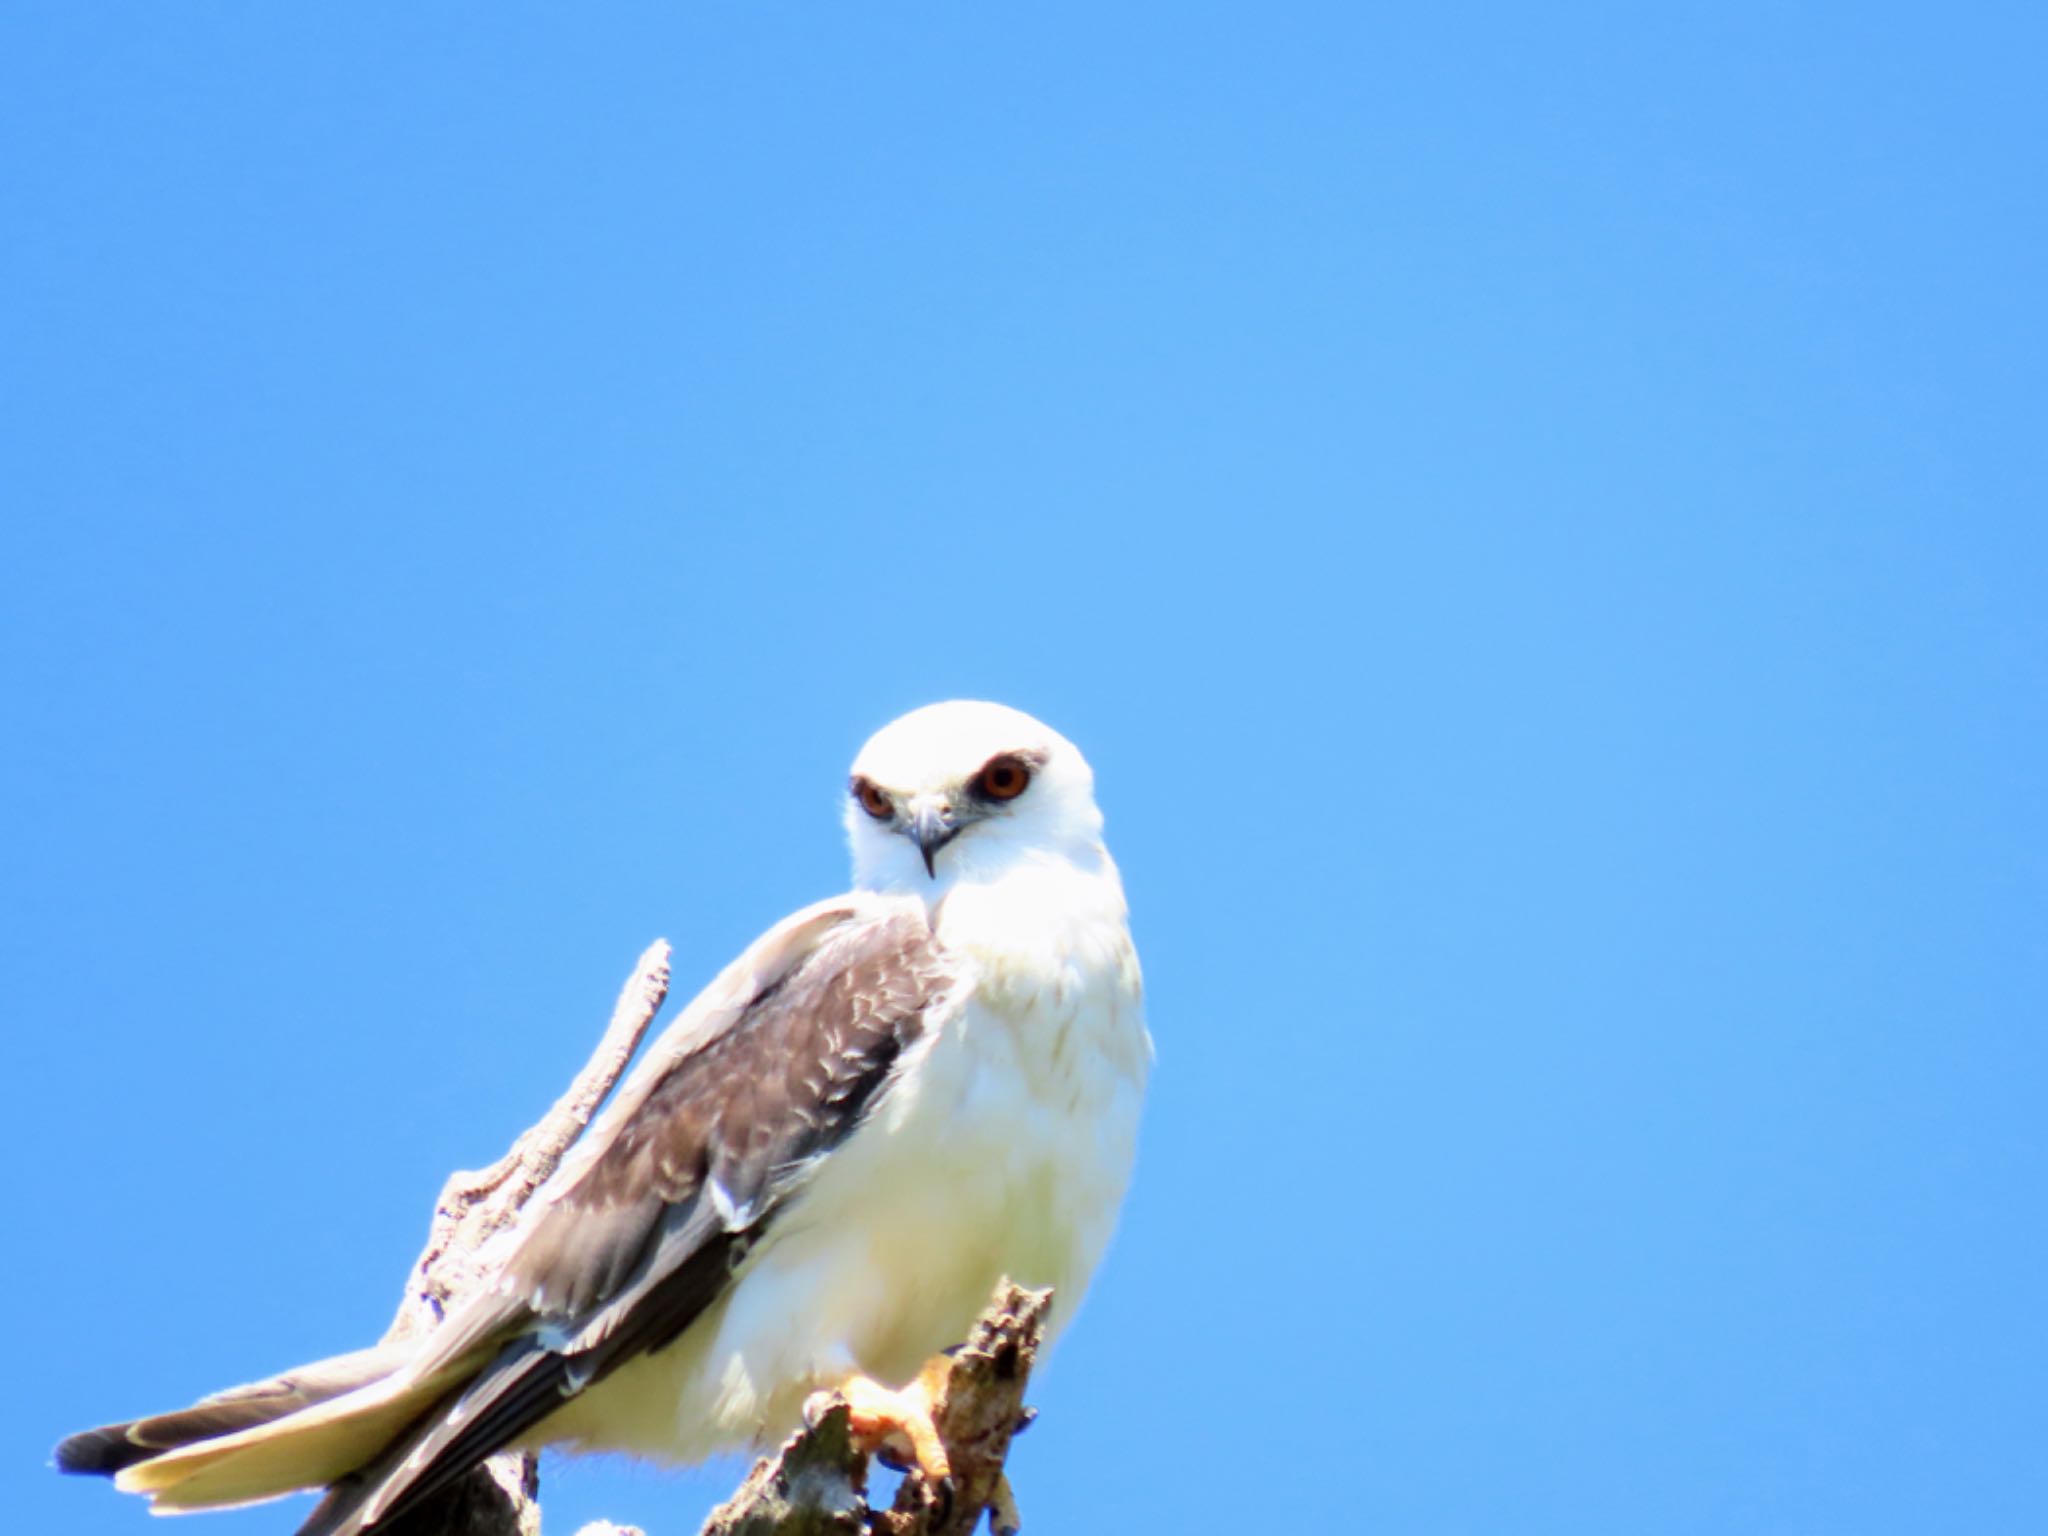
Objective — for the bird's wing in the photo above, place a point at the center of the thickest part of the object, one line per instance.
(640, 1230)
(739, 1102)
(764, 1073)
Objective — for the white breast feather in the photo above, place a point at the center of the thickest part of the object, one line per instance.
(1004, 1148)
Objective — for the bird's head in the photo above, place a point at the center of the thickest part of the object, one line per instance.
(967, 791)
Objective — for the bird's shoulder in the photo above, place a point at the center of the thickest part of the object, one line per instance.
(818, 1001)
(765, 1071)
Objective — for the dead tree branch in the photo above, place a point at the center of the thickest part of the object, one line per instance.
(498, 1498)
(816, 1485)
(476, 1207)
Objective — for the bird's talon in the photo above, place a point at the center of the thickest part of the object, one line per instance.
(885, 1423)
(894, 1460)
(1026, 1417)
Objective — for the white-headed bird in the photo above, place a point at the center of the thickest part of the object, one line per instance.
(813, 1179)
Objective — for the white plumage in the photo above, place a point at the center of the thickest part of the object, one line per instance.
(814, 1178)
(1005, 1148)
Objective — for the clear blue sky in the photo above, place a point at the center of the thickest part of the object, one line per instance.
(1536, 513)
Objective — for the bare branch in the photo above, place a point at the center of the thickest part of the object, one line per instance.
(816, 1485)
(498, 1498)
(476, 1207)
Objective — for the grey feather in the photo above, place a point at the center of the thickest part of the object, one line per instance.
(647, 1232)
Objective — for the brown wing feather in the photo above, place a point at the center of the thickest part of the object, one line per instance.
(631, 1251)
(788, 1079)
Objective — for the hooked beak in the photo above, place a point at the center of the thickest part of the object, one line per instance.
(932, 827)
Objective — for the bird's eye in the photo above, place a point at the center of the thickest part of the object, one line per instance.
(872, 800)
(1005, 778)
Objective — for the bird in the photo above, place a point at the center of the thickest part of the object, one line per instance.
(811, 1181)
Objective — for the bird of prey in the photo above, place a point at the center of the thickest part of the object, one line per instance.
(813, 1180)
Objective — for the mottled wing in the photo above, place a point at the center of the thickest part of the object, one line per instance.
(738, 1119)
(734, 1109)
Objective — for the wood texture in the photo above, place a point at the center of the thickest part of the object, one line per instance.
(816, 1485)
(498, 1498)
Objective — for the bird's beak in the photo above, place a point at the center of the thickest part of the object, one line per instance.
(932, 826)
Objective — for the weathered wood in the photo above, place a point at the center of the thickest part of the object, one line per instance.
(475, 1209)
(816, 1484)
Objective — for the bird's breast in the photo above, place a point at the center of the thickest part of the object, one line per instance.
(1002, 1147)
(1023, 1110)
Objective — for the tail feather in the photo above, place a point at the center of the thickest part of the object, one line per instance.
(307, 1450)
(505, 1399)
(112, 1448)
(445, 1444)
(316, 1446)
(305, 1429)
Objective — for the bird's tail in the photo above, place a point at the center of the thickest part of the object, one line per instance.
(304, 1429)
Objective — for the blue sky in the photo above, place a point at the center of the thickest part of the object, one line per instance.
(1535, 514)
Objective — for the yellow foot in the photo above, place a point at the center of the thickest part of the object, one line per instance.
(883, 1420)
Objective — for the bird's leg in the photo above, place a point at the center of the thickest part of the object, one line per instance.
(880, 1417)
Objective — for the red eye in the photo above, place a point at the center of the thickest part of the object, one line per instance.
(1005, 778)
(872, 800)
